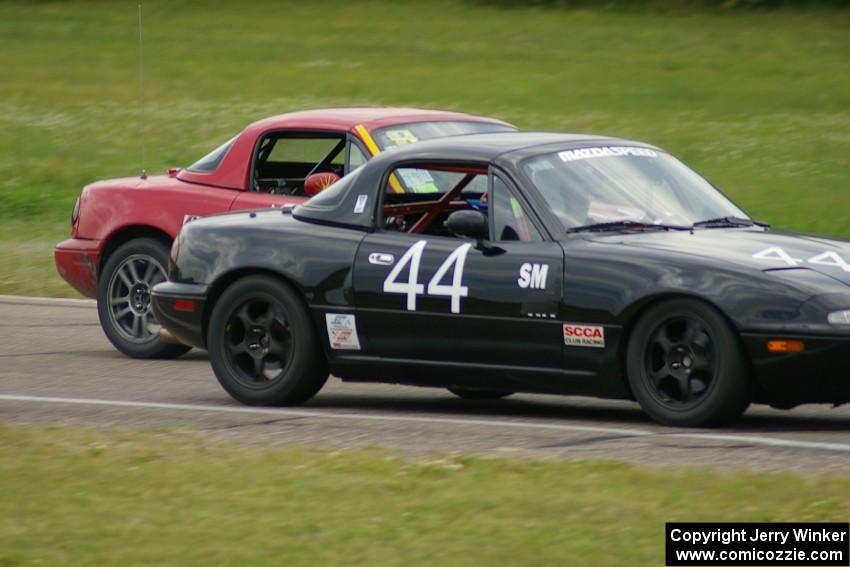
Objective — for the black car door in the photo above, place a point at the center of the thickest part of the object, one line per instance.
(435, 298)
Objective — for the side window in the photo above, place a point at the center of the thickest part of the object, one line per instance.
(284, 160)
(300, 150)
(418, 200)
(356, 156)
(510, 221)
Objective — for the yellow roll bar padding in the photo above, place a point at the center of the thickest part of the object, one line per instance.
(373, 147)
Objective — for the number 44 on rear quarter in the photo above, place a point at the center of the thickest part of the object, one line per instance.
(491, 264)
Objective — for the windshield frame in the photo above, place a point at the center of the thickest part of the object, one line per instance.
(556, 227)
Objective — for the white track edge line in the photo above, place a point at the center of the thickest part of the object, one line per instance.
(62, 301)
(626, 432)
(769, 441)
(286, 412)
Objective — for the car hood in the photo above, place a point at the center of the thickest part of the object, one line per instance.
(749, 248)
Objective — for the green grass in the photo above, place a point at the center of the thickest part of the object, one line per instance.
(26, 258)
(81, 497)
(758, 101)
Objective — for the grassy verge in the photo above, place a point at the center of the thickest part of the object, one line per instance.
(26, 258)
(756, 100)
(79, 497)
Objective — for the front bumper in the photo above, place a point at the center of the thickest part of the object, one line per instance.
(819, 374)
(179, 307)
(77, 261)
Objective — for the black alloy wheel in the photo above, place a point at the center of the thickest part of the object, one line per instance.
(686, 366)
(258, 342)
(681, 362)
(263, 347)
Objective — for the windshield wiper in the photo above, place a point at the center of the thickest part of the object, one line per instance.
(625, 225)
(729, 222)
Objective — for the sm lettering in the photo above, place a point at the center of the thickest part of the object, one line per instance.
(533, 276)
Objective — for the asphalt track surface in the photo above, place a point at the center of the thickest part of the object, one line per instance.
(56, 367)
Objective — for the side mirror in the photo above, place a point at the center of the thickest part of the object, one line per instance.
(469, 224)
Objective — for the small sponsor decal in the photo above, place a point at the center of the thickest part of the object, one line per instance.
(606, 151)
(533, 276)
(342, 331)
(401, 137)
(418, 180)
(576, 334)
(360, 205)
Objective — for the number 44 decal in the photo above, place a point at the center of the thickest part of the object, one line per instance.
(413, 288)
(777, 254)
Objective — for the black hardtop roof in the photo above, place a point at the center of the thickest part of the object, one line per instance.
(352, 201)
(486, 147)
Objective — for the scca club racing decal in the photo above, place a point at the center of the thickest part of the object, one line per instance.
(342, 331)
(777, 254)
(576, 334)
(412, 288)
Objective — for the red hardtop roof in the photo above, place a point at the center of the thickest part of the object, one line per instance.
(233, 171)
(370, 117)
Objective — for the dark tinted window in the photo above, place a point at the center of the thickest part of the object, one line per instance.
(210, 161)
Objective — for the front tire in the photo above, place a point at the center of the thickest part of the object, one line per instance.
(686, 366)
(123, 299)
(263, 346)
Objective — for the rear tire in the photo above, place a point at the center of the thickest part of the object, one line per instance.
(478, 394)
(123, 299)
(686, 366)
(263, 346)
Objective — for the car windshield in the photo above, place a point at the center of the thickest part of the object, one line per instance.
(400, 134)
(622, 185)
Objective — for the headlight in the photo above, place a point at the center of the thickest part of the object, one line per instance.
(839, 317)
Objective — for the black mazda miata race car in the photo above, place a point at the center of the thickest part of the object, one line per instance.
(518, 262)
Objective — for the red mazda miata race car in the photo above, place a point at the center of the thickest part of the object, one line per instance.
(122, 229)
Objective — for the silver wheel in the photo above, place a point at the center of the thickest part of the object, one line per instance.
(129, 298)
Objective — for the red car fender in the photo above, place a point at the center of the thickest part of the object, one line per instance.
(157, 202)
